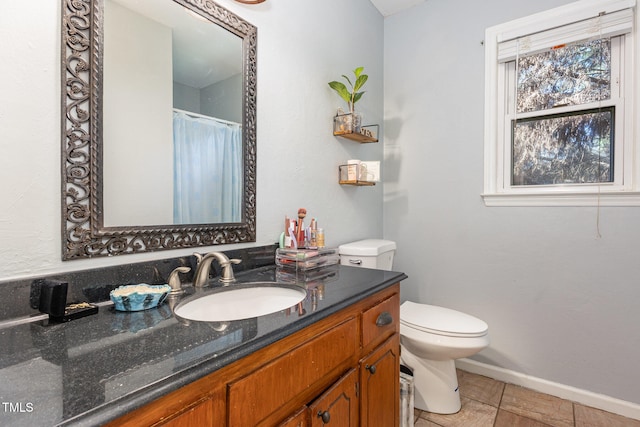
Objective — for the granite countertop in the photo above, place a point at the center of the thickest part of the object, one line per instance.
(95, 369)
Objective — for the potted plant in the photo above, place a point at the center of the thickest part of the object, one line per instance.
(351, 122)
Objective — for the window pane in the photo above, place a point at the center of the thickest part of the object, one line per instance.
(564, 149)
(569, 75)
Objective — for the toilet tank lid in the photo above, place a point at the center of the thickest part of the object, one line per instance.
(367, 247)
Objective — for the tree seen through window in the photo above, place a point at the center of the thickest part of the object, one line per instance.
(570, 148)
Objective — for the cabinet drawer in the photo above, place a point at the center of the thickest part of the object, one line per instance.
(262, 392)
(381, 321)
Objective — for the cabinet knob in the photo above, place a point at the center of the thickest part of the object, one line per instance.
(385, 318)
(326, 416)
(371, 368)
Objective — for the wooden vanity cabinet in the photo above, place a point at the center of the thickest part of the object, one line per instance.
(344, 368)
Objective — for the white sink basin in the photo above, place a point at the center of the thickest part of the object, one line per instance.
(241, 301)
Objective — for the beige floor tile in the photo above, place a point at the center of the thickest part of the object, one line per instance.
(509, 419)
(591, 417)
(541, 407)
(472, 414)
(480, 388)
(424, 423)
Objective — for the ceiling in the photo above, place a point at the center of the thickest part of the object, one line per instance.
(389, 7)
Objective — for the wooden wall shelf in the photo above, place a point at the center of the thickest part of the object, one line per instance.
(357, 137)
(358, 183)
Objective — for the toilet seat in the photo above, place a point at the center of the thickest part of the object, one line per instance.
(441, 321)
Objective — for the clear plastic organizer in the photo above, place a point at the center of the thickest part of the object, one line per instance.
(306, 259)
(325, 274)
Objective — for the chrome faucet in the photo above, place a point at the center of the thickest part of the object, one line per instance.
(201, 275)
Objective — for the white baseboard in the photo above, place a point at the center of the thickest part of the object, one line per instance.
(587, 398)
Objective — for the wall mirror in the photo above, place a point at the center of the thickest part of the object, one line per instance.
(159, 126)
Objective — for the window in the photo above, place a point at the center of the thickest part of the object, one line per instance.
(558, 100)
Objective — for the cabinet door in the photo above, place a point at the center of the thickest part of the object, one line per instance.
(299, 419)
(338, 406)
(380, 385)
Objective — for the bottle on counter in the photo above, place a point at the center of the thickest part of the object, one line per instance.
(320, 237)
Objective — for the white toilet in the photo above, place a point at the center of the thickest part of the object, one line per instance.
(431, 337)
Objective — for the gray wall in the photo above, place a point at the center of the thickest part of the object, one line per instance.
(560, 296)
(223, 99)
(186, 97)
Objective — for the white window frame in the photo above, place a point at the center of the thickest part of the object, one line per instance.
(498, 191)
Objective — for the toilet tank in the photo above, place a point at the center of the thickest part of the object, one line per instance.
(368, 253)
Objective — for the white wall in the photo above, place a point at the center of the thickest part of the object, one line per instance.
(299, 51)
(139, 159)
(559, 287)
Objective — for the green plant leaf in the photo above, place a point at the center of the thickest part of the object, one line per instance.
(360, 82)
(341, 89)
(351, 96)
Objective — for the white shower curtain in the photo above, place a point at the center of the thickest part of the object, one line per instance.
(207, 170)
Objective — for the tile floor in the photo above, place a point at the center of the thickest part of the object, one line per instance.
(490, 403)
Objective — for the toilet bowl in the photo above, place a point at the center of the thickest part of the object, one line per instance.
(431, 338)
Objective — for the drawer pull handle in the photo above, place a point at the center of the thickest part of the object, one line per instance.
(326, 416)
(371, 368)
(384, 319)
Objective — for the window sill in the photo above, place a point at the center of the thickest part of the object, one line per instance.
(628, 198)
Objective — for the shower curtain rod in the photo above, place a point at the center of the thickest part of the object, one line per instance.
(202, 116)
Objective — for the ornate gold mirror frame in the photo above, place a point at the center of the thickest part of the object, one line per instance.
(83, 232)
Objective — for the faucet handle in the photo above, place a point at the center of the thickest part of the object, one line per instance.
(174, 280)
(227, 271)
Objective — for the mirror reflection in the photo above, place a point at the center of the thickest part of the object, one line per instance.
(159, 126)
(172, 102)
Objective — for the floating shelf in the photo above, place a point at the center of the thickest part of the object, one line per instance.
(350, 175)
(348, 126)
(357, 137)
(358, 183)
